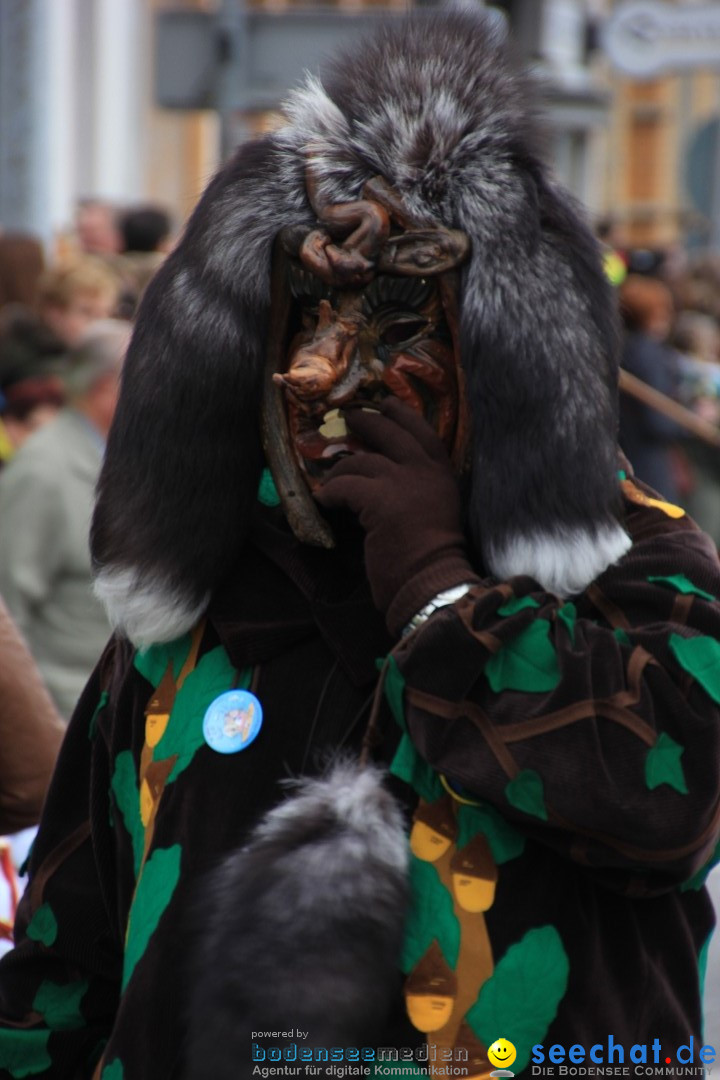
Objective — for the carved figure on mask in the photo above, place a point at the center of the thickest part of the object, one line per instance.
(393, 333)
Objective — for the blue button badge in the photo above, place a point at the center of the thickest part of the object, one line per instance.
(232, 721)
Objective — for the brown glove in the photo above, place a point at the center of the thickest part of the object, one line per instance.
(406, 497)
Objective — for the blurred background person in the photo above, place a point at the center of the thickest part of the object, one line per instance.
(615, 260)
(30, 729)
(25, 407)
(145, 229)
(22, 262)
(698, 288)
(31, 732)
(146, 233)
(96, 227)
(697, 340)
(73, 296)
(46, 496)
(649, 439)
(31, 389)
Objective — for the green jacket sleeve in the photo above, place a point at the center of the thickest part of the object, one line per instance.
(592, 724)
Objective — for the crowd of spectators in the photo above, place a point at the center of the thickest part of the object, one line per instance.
(64, 327)
(65, 322)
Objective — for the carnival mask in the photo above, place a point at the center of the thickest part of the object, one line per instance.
(363, 308)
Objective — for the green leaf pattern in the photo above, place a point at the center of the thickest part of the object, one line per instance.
(663, 765)
(520, 999)
(527, 662)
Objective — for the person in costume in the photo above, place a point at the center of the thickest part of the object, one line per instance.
(369, 415)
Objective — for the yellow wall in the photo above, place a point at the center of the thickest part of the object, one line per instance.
(181, 147)
(651, 123)
(639, 160)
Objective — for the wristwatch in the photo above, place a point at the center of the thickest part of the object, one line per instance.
(447, 596)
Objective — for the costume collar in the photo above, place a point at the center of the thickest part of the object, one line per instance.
(283, 592)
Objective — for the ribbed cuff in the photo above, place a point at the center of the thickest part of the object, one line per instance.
(424, 586)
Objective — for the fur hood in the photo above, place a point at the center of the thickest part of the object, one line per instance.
(434, 105)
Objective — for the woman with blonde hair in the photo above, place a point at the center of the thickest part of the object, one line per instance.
(73, 296)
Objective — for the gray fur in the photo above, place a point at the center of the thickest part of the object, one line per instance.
(437, 108)
(303, 927)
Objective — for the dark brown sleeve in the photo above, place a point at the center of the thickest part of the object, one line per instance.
(30, 732)
(593, 725)
(66, 933)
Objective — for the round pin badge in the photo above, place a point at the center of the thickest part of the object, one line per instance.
(232, 721)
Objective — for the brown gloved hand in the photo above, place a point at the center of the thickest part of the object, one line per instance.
(406, 497)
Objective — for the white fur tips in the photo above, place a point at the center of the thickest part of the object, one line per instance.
(563, 563)
(312, 114)
(355, 801)
(146, 610)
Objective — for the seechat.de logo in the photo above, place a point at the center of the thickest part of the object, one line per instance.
(501, 1054)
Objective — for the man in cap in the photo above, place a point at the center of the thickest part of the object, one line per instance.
(369, 411)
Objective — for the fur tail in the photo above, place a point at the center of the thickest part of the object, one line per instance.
(304, 928)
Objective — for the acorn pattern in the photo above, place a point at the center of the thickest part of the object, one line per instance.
(457, 991)
(437, 997)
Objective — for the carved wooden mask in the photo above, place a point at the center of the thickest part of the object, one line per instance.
(363, 307)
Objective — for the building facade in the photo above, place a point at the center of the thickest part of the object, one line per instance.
(79, 118)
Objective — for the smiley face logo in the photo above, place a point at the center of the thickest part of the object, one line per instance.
(502, 1053)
